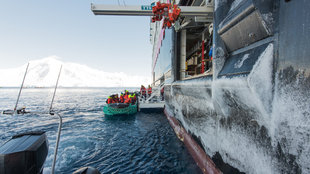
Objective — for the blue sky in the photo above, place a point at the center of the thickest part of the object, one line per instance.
(35, 29)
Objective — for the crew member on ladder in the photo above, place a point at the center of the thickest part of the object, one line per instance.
(149, 90)
(143, 91)
(162, 90)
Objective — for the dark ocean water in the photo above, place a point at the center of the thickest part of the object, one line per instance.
(141, 143)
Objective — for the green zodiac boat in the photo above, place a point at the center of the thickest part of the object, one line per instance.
(120, 109)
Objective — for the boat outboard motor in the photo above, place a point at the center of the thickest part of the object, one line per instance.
(87, 170)
(24, 153)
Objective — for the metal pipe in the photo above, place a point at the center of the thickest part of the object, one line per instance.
(57, 141)
(203, 54)
(183, 54)
(20, 90)
(59, 126)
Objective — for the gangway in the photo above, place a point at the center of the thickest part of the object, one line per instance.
(154, 102)
(145, 10)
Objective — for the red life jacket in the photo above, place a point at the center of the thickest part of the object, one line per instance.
(143, 90)
(149, 90)
(121, 99)
(109, 101)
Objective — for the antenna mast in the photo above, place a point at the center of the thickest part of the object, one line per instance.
(20, 90)
(55, 89)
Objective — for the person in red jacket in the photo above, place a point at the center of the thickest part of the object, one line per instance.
(143, 91)
(109, 100)
(115, 98)
(149, 91)
(162, 90)
(121, 98)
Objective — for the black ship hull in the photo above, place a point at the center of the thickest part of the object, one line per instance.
(253, 111)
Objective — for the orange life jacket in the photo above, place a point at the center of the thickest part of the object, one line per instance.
(127, 100)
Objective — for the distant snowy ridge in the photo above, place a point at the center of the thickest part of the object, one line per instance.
(44, 72)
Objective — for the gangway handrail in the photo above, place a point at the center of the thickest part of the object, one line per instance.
(57, 140)
(156, 93)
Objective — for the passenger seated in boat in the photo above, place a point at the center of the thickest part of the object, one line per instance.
(109, 100)
(128, 99)
(115, 98)
(134, 98)
(121, 98)
(126, 92)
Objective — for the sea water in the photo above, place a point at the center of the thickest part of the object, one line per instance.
(140, 143)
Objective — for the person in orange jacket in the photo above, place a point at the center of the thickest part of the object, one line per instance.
(128, 99)
(125, 96)
(149, 91)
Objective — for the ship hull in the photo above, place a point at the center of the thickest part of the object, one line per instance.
(252, 114)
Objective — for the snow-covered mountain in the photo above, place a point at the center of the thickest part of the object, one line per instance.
(44, 72)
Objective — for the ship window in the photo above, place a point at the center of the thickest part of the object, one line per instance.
(198, 61)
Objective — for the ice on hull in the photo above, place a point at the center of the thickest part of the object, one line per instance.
(254, 111)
